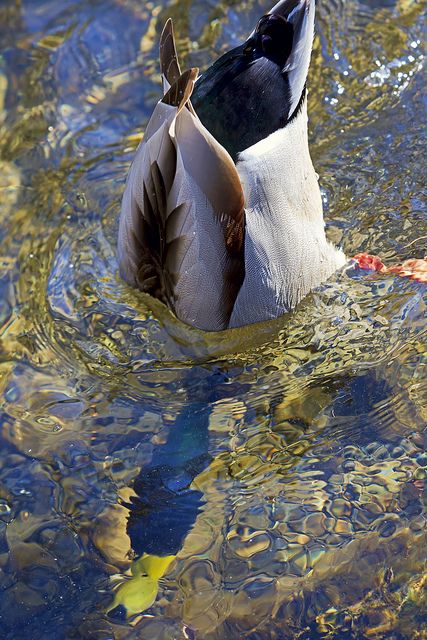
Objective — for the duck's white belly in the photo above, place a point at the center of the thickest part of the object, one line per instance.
(282, 266)
(286, 251)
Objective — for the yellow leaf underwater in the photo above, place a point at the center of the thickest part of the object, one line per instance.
(139, 592)
(153, 566)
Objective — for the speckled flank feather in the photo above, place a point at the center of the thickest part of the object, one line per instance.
(182, 222)
(286, 251)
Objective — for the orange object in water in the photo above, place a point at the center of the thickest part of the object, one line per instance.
(414, 268)
(368, 261)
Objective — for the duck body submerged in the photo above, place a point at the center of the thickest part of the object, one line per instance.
(222, 216)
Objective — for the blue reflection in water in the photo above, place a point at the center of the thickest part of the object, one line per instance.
(166, 507)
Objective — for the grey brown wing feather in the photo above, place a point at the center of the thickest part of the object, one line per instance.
(215, 175)
(142, 219)
(182, 223)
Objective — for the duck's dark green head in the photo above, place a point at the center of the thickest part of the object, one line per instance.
(256, 88)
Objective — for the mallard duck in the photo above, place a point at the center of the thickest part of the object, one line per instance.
(222, 214)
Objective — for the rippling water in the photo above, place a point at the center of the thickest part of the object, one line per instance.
(279, 468)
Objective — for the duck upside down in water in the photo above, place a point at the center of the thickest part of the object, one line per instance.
(222, 215)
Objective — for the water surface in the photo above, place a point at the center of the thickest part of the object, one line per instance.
(280, 469)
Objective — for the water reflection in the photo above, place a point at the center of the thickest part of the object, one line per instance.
(279, 469)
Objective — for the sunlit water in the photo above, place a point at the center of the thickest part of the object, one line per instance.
(282, 467)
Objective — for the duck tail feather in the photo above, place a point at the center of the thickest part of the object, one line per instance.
(180, 92)
(169, 63)
(296, 67)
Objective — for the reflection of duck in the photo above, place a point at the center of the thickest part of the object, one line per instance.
(156, 516)
(226, 244)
